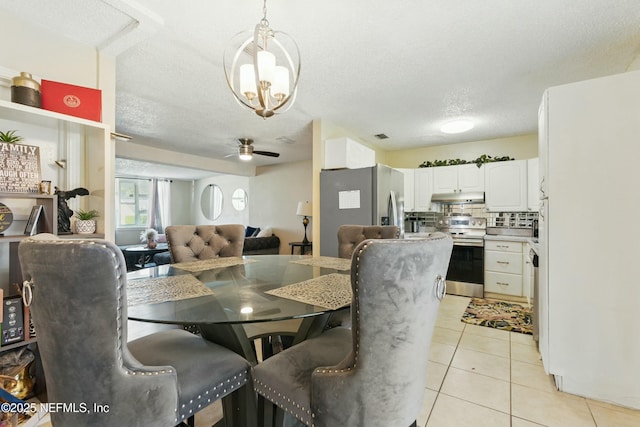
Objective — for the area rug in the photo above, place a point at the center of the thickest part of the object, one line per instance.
(499, 314)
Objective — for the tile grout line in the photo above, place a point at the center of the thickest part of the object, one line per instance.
(445, 374)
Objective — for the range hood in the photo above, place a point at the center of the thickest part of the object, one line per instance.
(475, 197)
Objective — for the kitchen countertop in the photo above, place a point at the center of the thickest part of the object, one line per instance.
(503, 237)
(421, 235)
(533, 242)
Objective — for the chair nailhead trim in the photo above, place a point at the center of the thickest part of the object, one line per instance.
(238, 379)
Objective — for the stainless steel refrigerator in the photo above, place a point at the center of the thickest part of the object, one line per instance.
(366, 196)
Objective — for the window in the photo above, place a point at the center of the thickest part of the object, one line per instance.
(132, 202)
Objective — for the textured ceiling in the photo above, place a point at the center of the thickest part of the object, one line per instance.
(398, 68)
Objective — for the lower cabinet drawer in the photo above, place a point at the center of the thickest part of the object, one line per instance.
(503, 262)
(503, 283)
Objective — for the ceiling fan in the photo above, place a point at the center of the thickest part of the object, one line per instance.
(246, 151)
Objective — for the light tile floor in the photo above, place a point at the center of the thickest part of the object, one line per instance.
(479, 376)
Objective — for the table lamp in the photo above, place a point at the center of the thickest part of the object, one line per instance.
(305, 209)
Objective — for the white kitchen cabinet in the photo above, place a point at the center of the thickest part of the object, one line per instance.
(418, 188)
(409, 186)
(506, 186)
(458, 179)
(533, 202)
(503, 267)
(423, 189)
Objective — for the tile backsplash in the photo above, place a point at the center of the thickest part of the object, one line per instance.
(427, 221)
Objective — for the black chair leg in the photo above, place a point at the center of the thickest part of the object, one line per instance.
(265, 412)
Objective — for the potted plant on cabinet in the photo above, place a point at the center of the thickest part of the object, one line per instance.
(86, 223)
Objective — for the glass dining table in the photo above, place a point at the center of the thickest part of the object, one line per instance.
(233, 300)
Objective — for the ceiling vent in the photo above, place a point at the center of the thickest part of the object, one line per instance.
(381, 136)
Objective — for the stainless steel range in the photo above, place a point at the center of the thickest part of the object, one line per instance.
(466, 268)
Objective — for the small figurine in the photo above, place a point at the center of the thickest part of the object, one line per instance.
(64, 211)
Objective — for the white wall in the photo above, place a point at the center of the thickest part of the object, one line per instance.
(228, 184)
(274, 194)
(47, 55)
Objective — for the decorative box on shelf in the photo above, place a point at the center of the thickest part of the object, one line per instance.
(73, 100)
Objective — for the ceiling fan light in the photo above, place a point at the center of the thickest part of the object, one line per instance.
(457, 126)
(245, 152)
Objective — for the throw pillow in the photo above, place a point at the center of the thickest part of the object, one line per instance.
(251, 231)
(266, 232)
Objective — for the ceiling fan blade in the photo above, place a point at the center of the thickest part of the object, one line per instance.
(266, 153)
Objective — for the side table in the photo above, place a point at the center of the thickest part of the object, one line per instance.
(303, 247)
(141, 256)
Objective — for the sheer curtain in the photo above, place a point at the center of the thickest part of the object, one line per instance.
(159, 214)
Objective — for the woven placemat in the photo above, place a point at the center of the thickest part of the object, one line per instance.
(162, 289)
(209, 264)
(326, 262)
(332, 291)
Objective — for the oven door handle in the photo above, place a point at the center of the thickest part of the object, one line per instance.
(463, 243)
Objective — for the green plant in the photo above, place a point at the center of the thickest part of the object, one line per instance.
(10, 136)
(452, 162)
(86, 215)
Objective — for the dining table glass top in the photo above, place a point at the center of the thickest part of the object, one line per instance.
(237, 290)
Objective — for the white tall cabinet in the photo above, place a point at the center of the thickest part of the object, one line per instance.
(589, 133)
(458, 179)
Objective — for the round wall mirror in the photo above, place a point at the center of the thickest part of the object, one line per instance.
(239, 199)
(211, 201)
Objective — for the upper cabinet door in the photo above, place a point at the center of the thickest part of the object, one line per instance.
(423, 189)
(408, 189)
(506, 186)
(470, 178)
(458, 179)
(445, 179)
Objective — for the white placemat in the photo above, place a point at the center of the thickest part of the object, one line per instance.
(209, 264)
(162, 289)
(332, 291)
(326, 262)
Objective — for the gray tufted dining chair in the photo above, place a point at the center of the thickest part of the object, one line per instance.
(79, 309)
(372, 375)
(199, 242)
(350, 236)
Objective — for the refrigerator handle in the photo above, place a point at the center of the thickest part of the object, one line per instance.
(393, 209)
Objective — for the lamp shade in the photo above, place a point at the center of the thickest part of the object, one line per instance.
(304, 209)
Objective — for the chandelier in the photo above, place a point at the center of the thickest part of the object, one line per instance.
(262, 74)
